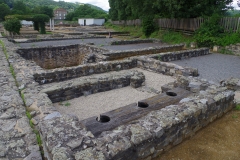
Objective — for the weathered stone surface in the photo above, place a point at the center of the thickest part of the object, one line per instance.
(16, 135)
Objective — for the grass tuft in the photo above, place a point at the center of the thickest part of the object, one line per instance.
(67, 104)
(238, 107)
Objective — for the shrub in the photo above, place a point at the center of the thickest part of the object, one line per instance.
(148, 26)
(13, 26)
(209, 32)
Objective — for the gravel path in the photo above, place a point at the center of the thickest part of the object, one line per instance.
(100, 42)
(96, 41)
(214, 67)
(95, 104)
(133, 46)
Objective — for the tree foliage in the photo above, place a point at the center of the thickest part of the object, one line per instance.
(86, 11)
(12, 25)
(133, 9)
(19, 7)
(44, 10)
(5, 10)
(209, 32)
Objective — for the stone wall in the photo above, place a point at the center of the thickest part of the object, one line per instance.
(165, 68)
(179, 55)
(135, 41)
(86, 86)
(117, 55)
(59, 56)
(17, 139)
(57, 39)
(143, 138)
(234, 48)
(61, 74)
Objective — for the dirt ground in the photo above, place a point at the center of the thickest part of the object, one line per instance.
(218, 141)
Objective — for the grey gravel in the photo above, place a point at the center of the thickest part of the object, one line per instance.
(97, 41)
(100, 42)
(214, 67)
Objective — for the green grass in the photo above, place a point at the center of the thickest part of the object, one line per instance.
(23, 98)
(238, 107)
(3, 34)
(67, 104)
(31, 124)
(39, 140)
(49, 33)
(172, 37)
(226, 51)
(234, 116)
(28, 115)
(159, 57)
(166, 36)
(134, 31)
(12, 71)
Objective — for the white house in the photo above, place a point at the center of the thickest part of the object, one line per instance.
(90, 21)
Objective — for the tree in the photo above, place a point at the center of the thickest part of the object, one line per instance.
(19, 7)
(133, 9)
(13, 26)
(86, 11)
(5, 10)
(44, 10)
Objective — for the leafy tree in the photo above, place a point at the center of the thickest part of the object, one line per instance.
(209, 32)
(8, 2)
(40, 19)
(5, 10)
(12, 25)
(133, 9)
(44, 10)
(19, 7)
(70, 16)
(148, 26)
(86, 11)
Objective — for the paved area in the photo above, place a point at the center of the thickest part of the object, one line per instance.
(100, 42)
(96, 41)
(214, 67)
(95, 104)
(133, 46)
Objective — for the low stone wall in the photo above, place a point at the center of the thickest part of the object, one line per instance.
(234, 48)
(135, 41)
(179, 55)
(17, 139)
(23, 36)
(116, 55)
(165, 68)
(91, 85)
(144, 138)
(59, 56)
(61, 74)
(57, 39)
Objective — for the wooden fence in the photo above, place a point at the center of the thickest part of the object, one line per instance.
(190, 24)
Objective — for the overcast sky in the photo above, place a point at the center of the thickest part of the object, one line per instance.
(100, 3)
(104, 3)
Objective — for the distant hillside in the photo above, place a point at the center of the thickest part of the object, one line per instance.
(96, 7)
(53, 4)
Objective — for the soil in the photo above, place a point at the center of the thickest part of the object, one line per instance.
(220, 140)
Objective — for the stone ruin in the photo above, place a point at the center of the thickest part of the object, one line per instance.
(141, 130)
